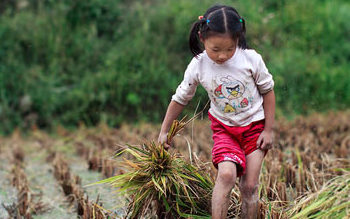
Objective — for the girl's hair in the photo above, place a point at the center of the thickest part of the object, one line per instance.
(218, 19)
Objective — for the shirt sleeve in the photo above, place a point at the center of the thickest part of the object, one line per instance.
(187, 88)
(262, 77)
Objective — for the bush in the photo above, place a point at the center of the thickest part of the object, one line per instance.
(90, 61)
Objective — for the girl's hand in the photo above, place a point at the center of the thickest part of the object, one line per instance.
(265, 140)
(163, 139)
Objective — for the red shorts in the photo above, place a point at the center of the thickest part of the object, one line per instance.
(233, 143)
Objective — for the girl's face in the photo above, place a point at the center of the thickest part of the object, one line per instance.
(220, 47)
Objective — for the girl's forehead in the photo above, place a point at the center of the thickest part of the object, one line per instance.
(220, 40)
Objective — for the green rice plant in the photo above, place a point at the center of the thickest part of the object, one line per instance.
(331, 201)
(163, 181)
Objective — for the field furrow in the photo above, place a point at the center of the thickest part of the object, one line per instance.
(43, 181)
(55, 169)
(8, 193)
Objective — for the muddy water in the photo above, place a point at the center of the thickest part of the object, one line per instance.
(39, 173)
(41, 180)
(8, 194)
(107, 196)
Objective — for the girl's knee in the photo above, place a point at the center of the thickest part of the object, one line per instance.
(227, 175)
(249, 189)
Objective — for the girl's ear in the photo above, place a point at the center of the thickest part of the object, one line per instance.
(200, 37)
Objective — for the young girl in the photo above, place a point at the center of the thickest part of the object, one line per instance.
(242, 105)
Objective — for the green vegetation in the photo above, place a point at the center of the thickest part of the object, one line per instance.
(90, 61)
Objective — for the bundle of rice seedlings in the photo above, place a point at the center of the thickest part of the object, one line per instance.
(331, 201)
(163, 181)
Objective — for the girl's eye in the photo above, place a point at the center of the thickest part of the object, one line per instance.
(215, 50)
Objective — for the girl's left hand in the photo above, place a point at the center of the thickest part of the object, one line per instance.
(265, 140)
(163, 139)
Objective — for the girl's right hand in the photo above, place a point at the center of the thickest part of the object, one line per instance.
(163, 139)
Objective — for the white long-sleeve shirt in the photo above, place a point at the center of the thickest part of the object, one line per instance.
(235, 87)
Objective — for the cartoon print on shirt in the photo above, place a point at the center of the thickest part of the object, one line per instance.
(234, 91)
(230, 95)
(229, 108)
(229, 88)
(244, 102)
(218, 92)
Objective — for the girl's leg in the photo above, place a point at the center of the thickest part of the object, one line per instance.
(225, 180)
(249, 184)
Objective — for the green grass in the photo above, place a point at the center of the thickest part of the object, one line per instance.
(72, 62)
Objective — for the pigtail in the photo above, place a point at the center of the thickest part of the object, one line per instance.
(194, 41)
(242, 43)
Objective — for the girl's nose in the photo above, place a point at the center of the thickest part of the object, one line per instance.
(222, 56)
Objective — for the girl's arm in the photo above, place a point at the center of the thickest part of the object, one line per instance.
(266, 138)
(173, 111)
(269, 109)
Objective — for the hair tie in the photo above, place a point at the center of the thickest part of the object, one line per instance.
(201, 18)
(240, 20)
